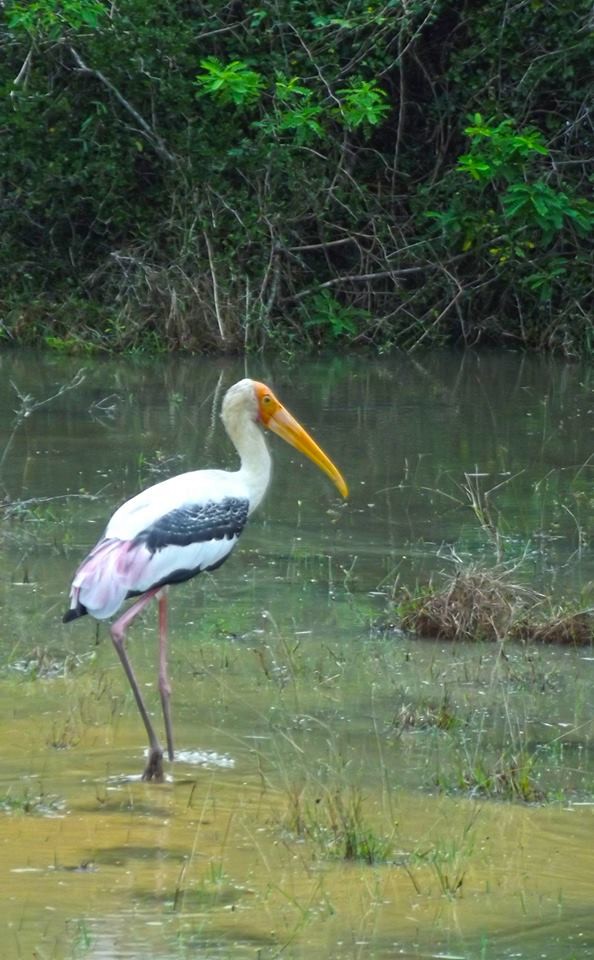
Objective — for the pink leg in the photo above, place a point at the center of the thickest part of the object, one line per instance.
(154, 767)
(164, 685)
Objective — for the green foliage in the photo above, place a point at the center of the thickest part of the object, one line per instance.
(362, 104)
(327, 316)
(538, 204)
(499, 151)
(509, 209)
(503, 158)
(542, 281)
(51, 18)
(232, 82)
(501, 164)
(296, 111)
(188, 182)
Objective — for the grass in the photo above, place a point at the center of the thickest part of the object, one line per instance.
(29, 803)
(427, 713)
(41, 663)
(510, 776)
(334, 820)
(479, 603)
(465, 717)
(449, 859)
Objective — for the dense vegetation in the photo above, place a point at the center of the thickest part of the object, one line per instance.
(202, 175)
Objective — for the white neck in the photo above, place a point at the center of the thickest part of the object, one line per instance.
(256, 464)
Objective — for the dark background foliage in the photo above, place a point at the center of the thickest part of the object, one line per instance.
(207, 175)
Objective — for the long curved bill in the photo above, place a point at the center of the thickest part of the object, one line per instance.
(284, 425)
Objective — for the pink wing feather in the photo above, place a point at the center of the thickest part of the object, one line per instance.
(105, 577)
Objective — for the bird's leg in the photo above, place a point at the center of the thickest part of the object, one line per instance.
(154, 767)
(164, 685)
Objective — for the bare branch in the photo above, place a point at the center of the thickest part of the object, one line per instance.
(29, 406)
(215, 287)
(23, 74)
(153, 138)
(358, 277)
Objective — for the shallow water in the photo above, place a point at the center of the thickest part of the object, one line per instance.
(289, 696)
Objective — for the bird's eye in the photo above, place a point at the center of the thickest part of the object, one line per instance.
(266, 398)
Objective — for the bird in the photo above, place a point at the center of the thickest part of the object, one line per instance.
(180, 527)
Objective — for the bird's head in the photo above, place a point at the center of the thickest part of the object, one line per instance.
(258, 402)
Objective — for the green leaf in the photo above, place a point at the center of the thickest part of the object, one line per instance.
(234, 82)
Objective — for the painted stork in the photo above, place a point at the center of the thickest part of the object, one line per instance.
(177, 528)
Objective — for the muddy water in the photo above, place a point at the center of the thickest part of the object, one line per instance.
(299, 720)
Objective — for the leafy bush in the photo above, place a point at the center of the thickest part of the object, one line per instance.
(219, 175)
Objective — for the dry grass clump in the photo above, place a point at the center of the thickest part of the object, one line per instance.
(479, 604)
(565, 629)
(473, 605)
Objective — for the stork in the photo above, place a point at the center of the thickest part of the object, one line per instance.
(178, 528)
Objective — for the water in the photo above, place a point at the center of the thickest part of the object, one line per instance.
(293, 708)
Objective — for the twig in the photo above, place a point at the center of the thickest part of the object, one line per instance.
(153, 138)
(323, 245)
(401, 112)
(355, 277)
(16, 506)
(437, 320)
(21, 77)
(29, 406)
(215, 287)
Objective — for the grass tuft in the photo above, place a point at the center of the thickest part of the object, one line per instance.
(334, 820)
(41, 804)
(511, 777)
(485, 604)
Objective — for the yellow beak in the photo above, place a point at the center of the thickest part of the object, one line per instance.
(284, 425)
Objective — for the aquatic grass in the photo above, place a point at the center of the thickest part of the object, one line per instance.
(530, 672)
(426, 713)
(82, 939)
(459, 720)
(213, 889)
(510, 776)
(449, 857)
(42, 663)
(26, 802)
(65, 734)
(334, 821)
(449, 861)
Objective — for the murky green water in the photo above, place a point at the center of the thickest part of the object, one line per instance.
(298, 719)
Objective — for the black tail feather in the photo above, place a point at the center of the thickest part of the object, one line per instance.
(74, 613)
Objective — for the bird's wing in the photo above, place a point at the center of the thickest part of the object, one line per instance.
(186, 540)
(185, 489)
(175, 546)
(196, 523)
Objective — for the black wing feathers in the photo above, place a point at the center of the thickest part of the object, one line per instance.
(197, 523)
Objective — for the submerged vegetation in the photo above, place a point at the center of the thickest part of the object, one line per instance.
(240, 175)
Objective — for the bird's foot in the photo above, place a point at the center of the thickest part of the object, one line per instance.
(154, 768)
